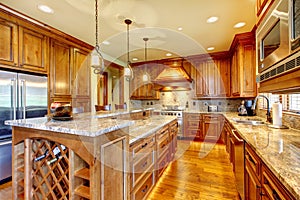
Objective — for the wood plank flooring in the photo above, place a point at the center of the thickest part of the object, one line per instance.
(200, 171)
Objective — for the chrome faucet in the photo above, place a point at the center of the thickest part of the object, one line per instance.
(269, 118)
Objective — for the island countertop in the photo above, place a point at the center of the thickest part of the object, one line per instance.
(95, 124)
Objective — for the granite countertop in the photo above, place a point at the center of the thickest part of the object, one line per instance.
(82, 125)
(95, 124)
(145, 127)
(279, 149)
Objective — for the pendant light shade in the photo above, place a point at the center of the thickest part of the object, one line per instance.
(128, 73)
(146, 77)
(97, 61)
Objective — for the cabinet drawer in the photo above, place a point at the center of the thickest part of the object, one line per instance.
(143, 147)
(193, 117)
(162, 133)
(162, 144)
(163, 162)
(253, 160)
(141, 191)
(272, 186)
(142, 167)
(211, 117)
(193, 124)
(192, 133)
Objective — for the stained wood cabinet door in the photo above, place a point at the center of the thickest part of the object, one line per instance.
(211, 127)
(9, 43)
(33, 50)
(243, 73)
(252, 185)
(192, 126)
(80, 82)
(211, 78)
(60, 76)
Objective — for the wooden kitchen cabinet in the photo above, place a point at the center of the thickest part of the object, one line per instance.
(211, 127)
(243, 72)
(142, 165)
(60, 71)
(272, 187)
(211, 75)
(80, 81)
(260, 182)
(9, 43)
(163, 150)
(33, 50)
(192, 126)
(173, 129)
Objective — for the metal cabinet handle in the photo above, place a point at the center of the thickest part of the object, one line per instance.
(145, 189)
(13, 97)
(235, 136)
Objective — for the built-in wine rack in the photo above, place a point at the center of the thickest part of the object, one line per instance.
(51, 173)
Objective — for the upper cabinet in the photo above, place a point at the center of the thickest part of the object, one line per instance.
(60, 71)
(23, 48)
(243, 73)
(9, 43)
(211, 75)
(33, 50)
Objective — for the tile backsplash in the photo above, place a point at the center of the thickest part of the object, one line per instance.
(185, 99)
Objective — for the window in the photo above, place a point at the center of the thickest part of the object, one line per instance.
(294, 102)
(290, 102)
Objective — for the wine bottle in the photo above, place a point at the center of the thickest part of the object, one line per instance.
(57, 153)
(42, 156)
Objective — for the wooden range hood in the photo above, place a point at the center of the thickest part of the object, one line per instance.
(173, 79)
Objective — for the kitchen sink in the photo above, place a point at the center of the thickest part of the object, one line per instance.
(249, 121)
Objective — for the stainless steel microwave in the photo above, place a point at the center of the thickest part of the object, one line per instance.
(272, 36)
(294, 24)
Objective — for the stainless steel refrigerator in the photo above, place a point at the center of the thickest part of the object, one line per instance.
(21, 96)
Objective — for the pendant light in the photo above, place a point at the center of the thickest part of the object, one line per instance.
(146, 77)
(128, 73)
(97, 61)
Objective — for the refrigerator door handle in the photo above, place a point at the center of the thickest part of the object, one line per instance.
(5, 143)
(23, 96)
(14, 97)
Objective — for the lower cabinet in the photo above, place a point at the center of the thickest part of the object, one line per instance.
(199, 126)
(149, 157)
(260, 182)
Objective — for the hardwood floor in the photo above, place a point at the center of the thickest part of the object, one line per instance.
(200, 171)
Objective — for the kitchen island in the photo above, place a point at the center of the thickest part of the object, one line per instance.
(84, 158)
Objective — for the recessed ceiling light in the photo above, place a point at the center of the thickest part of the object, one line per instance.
(210, 48)
(239, 25)
(212, 19)
(180, 28)
(106, 42)
(45, 9)
(135, 59)
(168, 54)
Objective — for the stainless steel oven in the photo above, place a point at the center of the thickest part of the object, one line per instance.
(272, 35)
(178, 114)
(294, 23)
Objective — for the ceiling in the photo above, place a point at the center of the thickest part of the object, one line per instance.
(157, 20)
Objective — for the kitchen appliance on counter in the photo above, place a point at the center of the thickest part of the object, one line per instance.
(22, 96)
(248, 105)
(212, 108)
(242, 109)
